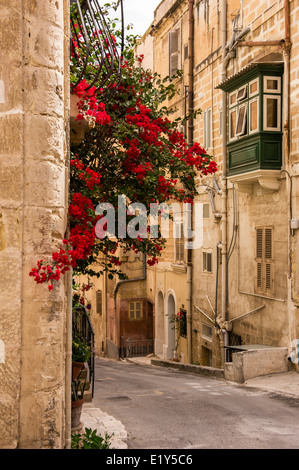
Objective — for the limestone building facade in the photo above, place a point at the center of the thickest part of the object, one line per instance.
(240, 67)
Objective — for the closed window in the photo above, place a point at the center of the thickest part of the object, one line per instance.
(272, 113)
(264, 260)
(272, 84)
(174, 51)
(206, 331)
(253, 115)
(179, 243)
(186, 52)
(135, 310)
(207, 262)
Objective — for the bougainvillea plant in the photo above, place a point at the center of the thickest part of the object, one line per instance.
(132, 148)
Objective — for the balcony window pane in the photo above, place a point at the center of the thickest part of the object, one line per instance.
(253, 116)
(233, 121)
(241, 122)
(272, 113)
(253, 87)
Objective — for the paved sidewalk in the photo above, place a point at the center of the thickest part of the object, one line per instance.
(95, 418)
(285, 383)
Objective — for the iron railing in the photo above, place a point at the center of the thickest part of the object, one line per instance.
(94, 52)
(139, 348)
(82, 326)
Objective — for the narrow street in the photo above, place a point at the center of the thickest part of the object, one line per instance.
(165, 409)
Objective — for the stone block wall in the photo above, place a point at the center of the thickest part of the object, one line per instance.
(34, 97)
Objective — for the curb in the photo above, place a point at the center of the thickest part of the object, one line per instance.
(199, 370)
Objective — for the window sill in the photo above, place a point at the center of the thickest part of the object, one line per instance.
(179, 268)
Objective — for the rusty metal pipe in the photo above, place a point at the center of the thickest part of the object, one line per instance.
(190, 142)
(279, 42)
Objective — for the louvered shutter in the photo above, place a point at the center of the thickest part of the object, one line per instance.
(264, 259)
(268, 259)
(174, 50)
(259, 259)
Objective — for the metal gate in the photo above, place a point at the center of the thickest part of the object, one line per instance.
(137, 347)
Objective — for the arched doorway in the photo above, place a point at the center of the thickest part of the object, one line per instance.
(171, 310)
(159, 321)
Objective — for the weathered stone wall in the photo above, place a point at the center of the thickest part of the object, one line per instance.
(33, 209)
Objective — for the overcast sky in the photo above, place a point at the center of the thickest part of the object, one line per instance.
(140, 13)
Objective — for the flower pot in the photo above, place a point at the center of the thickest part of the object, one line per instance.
(76, 369)
(76, 414)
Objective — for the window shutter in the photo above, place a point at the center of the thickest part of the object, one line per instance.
(268, 243)
(259, 283)
(264, 259)
(173, 52)
(268, 258)
(268, 280)
(259, 243)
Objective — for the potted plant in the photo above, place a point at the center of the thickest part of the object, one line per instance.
(81, 352)
(78, 388)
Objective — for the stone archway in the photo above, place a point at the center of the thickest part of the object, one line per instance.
(160, 328)
(171, 310)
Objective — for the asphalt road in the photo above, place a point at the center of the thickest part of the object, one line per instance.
(166, 409)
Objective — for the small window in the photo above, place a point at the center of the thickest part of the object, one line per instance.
(242, 93)
(174, 51)
(186, 52)
(206, 331)
(135, 310)
(254, 87)
(206, 211)
(242, 120)
(272, 113)
(208, 128)
(179, 243)
(183, 323)
(272, 85)
(207, 262)
(99, 302)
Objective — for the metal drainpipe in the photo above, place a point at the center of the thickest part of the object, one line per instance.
(225, 340)
(286, 133)
(69, 278)
(190, 142)
(68, 362)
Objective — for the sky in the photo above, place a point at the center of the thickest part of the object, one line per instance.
(140, 13)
